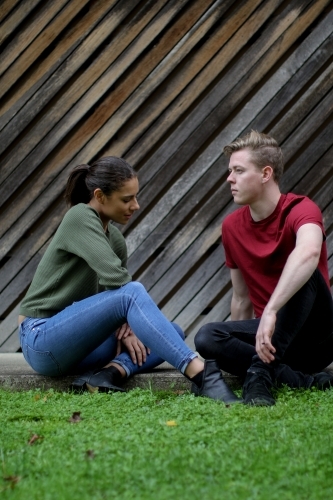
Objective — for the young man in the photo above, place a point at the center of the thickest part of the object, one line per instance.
(281, 328)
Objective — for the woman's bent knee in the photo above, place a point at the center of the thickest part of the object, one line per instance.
(134, 287)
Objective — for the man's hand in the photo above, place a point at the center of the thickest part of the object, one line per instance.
(264, 347)
(134, 346)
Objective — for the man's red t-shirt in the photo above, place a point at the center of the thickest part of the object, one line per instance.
(260, 249)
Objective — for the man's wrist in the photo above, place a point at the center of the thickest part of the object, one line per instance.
(270, 309)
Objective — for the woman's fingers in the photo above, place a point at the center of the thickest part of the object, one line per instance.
(118, 351)
(124, 331)
(136, 349)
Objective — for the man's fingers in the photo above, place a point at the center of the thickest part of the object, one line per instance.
(265, 349)
(265, 354)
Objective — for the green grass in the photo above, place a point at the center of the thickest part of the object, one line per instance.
(125, 448)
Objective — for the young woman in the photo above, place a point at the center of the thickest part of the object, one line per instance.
(84, 314)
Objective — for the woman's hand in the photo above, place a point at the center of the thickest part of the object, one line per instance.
(124, 331)
(134, 346)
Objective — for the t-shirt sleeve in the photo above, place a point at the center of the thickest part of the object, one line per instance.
(306, 212)
(226, 245)
(82, 234)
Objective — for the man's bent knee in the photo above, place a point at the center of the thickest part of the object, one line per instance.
(204, 342)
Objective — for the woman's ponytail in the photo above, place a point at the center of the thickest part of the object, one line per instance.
(76, 187)
(108, 174)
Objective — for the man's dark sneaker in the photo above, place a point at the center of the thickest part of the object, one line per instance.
(323, 380)
(257, 388)
(284, 375)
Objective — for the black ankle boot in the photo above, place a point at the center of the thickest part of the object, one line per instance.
(322, 380)
(257, 387)
(104, 380)
(213, 386)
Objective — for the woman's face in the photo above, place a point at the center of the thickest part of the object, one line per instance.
(120, 205)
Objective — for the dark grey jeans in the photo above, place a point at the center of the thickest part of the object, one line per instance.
(303, 336)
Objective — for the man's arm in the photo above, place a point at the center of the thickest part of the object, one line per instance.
(241, 305)
(299, 267)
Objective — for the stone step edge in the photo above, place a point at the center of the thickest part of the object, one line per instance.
(16, 374)
(168, 379)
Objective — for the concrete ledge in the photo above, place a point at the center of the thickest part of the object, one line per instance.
(16, 374)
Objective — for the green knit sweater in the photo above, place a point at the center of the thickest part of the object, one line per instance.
(80, 261)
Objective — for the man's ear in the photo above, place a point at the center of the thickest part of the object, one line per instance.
(99, 196)
(267, 173)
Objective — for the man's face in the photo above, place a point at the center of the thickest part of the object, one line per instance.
(245, 178)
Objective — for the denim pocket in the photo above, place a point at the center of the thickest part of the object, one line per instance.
(42, 362)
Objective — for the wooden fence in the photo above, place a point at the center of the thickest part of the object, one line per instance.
(165, 84)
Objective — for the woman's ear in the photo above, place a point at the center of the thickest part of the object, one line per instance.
(99, 196)
(267, 173)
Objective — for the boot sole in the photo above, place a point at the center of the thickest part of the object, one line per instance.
(260, 402)
(85, 387)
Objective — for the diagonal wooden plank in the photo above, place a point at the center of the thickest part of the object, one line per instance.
(35, 49)
(207, 294)
(16, 17)
(293, 89)
(111, 67)
(184, 294)
(199, 60)
(329, 244)
(179, 258)
(209, 191)
(29, 33)
(167, 55)
(315, 103)
(316, 176)
(6, 7)
(18, 286)
(323, 197)
(39, 74)
(29, 246)
(328, 216)
(209, 73)
(219, 312)
(9, 341)
(12, 343)
(321, 143)
(95, 120)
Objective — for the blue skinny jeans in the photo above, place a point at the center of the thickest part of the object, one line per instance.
(82, 336)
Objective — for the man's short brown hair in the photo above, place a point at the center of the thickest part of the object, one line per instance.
(265, 151)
